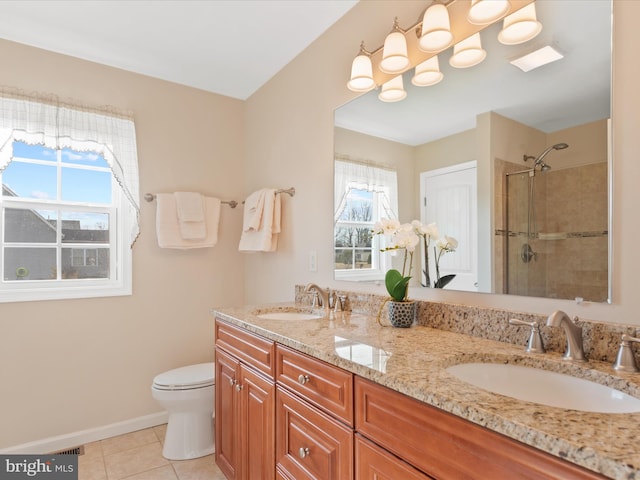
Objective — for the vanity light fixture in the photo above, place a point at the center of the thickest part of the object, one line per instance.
(537, 58)
(484, 12)
(521, 26)
(394, 52)
(393, 90)
(427, 73)
(435, 34)
(361, 72)
(442, 24)
(468, 52)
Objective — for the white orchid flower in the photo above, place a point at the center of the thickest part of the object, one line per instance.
(428, 231)
(447, 244)
(386, 226)
(431, 230)
(406, 239)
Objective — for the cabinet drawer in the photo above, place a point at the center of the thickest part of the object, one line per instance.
(309, 443)
(324, 385)
(448, 447)
(251, 349)
(374, 463)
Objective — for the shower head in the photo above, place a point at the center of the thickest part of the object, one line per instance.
(538, 161)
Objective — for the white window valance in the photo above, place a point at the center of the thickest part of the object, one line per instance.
(351, 175)
(38, 119)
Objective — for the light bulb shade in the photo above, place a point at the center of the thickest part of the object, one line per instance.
(484, 12)
(393, 90)
(520, 26)
(427, 73)
(468, 52)
(361, 74)
(394, 54)
(436, 29)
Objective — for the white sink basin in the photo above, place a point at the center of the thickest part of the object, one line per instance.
(545, 387)
(288, 316)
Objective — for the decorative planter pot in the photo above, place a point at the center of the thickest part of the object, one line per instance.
(402, 314)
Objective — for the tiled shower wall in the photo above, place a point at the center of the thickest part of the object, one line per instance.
(572, 239)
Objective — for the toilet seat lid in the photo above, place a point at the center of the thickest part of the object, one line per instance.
(192, 376)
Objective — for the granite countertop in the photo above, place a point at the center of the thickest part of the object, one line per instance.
(413, 361)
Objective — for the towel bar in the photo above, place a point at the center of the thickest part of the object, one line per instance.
(289, 191)
(150, 197)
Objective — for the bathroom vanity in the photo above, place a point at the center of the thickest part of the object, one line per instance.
(342, 397)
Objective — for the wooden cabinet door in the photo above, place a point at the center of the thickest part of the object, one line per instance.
(257, 425)
(227, 415)
(375, 463)
(309, 443)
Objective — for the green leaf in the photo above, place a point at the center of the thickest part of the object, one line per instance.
(396, 285)
(444, 281)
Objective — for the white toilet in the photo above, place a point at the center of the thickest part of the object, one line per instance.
(187, 394)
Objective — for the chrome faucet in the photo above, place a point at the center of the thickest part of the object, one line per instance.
(324, 295)
(572, 330)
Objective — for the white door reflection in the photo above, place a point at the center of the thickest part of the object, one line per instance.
(362, 354)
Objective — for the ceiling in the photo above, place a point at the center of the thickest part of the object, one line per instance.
(229, 47)
(570, 92)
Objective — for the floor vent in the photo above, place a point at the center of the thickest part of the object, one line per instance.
(72, 451)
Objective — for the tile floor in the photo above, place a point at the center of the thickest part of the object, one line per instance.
(138, 456)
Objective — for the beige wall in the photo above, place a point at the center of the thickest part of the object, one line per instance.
(81, 364)
(289, 121)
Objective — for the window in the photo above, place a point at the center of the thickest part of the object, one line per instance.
(67, 220)
(363, 195)
(354, 244)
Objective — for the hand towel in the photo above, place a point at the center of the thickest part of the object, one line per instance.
(190, 210)
(253, 208)
(264, 238)
(275, 230)
(168, 227)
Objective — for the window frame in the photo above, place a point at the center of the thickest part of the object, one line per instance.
(118, 283)
(380, 262)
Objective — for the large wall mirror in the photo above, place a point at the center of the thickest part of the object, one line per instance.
(514, 165)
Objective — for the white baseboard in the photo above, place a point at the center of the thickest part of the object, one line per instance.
(76, 439)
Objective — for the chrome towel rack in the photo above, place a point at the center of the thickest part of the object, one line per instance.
(150, 197)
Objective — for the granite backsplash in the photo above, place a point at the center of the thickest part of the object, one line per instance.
(601, 340)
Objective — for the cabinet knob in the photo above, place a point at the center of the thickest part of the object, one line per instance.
(302, 379)
(238, 387)
(303, 452)
(232, 381)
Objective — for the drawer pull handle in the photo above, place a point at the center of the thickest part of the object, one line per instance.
(303, 452)
(302, 379)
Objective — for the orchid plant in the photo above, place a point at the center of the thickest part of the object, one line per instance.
(406, 237)
(429, 234)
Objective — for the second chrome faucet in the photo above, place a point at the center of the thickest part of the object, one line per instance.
(325, 298)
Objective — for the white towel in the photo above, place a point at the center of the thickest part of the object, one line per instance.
(253, 209)
(190, 210)
(168, 226)
(265, 237)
